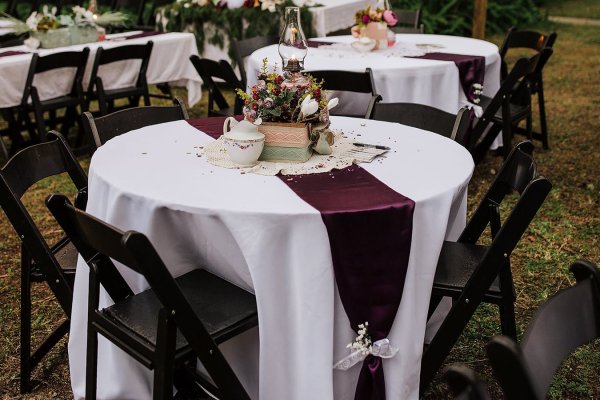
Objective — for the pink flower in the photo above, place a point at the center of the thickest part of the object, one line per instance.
(355, 30)
(365, 19)
(390, 17)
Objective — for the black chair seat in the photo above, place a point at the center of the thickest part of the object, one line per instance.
(517, 112)
(123, 92)
(58, 102)
(456, 265)
(222, 320)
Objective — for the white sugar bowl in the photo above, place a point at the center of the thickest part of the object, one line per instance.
(243, 142)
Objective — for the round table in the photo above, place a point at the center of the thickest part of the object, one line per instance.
(397, 78)
(257, 233)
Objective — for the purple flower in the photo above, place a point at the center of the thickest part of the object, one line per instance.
(268, 103)
(365, 19)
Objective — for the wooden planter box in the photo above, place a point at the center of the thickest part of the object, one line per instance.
(286, 142)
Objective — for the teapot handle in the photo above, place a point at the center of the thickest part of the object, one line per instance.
(229, 123)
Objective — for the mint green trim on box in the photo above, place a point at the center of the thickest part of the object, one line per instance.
(286, 154)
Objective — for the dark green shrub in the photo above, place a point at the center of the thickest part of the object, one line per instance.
(455, 17)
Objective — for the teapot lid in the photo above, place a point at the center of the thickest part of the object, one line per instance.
(244, 130)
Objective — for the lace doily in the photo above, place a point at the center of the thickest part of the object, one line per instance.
(400, 49)
(345, 153)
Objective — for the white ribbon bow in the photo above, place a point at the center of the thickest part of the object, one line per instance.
(381, 348)
(477, 109)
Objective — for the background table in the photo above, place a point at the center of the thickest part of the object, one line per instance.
(255, 232)
(169, 62)
(400, 79)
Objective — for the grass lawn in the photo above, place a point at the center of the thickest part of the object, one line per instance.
(566, 228)
(574, 8)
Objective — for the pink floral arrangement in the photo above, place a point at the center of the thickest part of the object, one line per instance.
(367, 15)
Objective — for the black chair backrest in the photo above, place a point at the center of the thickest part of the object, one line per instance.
(464, 384)
(565, 322)
(23, 170)
(10, 40)
(425, 117)
(408, 21)
(134, 251)
(516, 39)
(526, 39)
(102, 129)
(480, 143)
(209, 69)
(130, 52)
(67, 59)
(518, 173)
(243, 48)
(348, 81)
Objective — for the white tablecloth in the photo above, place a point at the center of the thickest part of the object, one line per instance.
(336, 14)
(255, 232)
(169, 62)
(400, 79)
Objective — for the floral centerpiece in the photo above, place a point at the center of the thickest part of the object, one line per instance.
(50, 30)
(293, 118)
(373, 23)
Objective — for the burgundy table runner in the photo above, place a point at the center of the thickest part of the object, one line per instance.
(370, 230)
(144, 34)
(12, 53)
(471, 69)
(316, 43)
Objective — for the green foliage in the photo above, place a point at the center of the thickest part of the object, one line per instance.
(455, 17)
(219, 26)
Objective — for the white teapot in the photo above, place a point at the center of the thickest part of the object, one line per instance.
(243, 141)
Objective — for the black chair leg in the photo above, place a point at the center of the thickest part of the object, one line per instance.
(39, 123)
(25, 353)
(543, 125)
(445, 338)
(91, 367)
(507, 319)
(165, 360)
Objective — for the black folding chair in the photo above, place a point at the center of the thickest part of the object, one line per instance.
(347, 81)
(102, 129)
(506, 109)
(173, 322)
(209, 69)
(464, 384)
(408, 21)
(536, 41)
(10, 40)
(425, 117)
(40, 261)
(106, 97)
(243, 48)
(471, 273)
(565, 322)
(31, 99)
